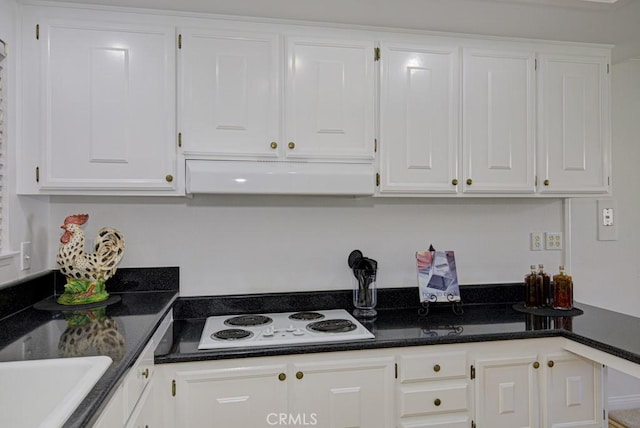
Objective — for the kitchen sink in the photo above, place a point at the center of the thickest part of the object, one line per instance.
(44, 393)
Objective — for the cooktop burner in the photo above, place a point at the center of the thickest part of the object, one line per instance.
(278, 329)
(248, 320)
(306, 316)
(332, 326)
(232, 334)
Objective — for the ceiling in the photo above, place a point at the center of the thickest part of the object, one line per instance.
(614, 22)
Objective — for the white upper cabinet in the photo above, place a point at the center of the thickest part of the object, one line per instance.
(530, 119)
(229, 101)
(573, 119)
(498, 139)
(101, 107)
(419, 118)
(329, 107)
(233, 104)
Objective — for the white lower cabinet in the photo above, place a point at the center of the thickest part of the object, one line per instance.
(145, 413)
(341, 393)
(228, 396)
(336, 390)
(433, 388)
(133, 404)
(573, 391)
(536, 386)
(513, 384)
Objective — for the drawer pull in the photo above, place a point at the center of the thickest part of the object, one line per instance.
(282, 376)
(436, 368)
(550, 363)
(536, 365)
(299, 375)
(437, 402)
(145, 373)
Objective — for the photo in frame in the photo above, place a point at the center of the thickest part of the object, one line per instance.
(437, 276)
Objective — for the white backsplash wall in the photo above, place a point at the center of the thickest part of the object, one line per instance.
(253, 244)
(606, 273)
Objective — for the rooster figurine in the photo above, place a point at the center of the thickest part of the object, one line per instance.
(87, 273)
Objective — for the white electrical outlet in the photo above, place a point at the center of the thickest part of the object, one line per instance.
(607, 220)
(553, 241)
(25, 255)
(536, 241)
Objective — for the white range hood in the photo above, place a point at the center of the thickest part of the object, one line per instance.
(279, 178)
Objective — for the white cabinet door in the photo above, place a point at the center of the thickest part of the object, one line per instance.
(344, 393)
(507, 392)
(498, 121)
(145, 414)
(329, 101)
(574, 122)
(230, 397)
(113, 414)
(573, 391)
(108, 106)
(419, 118)
(229, 100)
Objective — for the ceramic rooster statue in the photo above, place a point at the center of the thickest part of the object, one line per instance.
(87, 273)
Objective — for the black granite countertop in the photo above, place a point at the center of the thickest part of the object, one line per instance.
(399, 323)
(146, 295)
(119, 330)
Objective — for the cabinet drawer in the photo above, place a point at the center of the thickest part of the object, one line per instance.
(424, 400)
(458, 422)
(138, 377)
(433, 366)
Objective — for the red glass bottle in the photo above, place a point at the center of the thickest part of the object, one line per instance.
(533, 296)
(562, 290)
(545, 283)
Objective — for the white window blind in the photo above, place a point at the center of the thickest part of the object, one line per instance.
(3, 136)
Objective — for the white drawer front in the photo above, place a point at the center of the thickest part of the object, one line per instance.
(415, 401)
(430, 366)
(138, 377)
(450, 422)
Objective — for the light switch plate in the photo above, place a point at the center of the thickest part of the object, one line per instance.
(607, 220)
(25, 255)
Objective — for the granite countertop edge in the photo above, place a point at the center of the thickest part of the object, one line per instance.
(178, 357)
(91, 407)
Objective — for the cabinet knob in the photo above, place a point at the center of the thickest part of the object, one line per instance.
(169, 178)
(550, 363)
(437, 402)
(536, 365)
(299, 375)
(546, 182)
(469, 182)
(145, 373)
(454, 181)
(282, 376)
(436, 368)
(274, 145)
(291, 145)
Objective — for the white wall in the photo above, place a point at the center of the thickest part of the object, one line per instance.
(250, 244)
(607, 273)
(26, 218)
